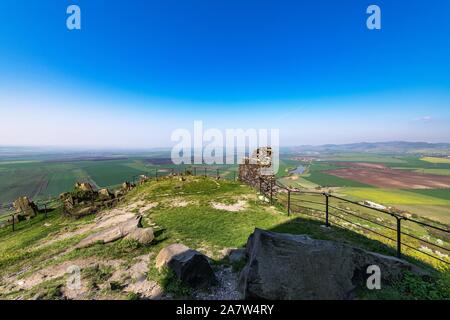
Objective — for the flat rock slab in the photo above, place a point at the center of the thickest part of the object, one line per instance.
(112, 233)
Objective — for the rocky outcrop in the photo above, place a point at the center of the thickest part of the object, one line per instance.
(285, 266)
(130, 229)
(127, 186)
(105, 194)
(234, 255)
(25, 208)
(190, 266)
(143, 179)
(84, 186)
(84, 200)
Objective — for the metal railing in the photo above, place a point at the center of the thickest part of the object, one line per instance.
(320, 204)
(199, 171)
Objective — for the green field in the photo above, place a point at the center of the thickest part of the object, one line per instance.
(328, 180)
(40, 179)
(436, 193)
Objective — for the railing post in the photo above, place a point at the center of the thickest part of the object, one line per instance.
(205, 172)
(289, 202)
(234, 175)
(327, 224)
(195, 171)
(218, 174)
(45, 210)
(13, 223)
(399, 233)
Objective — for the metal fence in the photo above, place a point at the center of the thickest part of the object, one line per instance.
(198, 171)
(335, 210)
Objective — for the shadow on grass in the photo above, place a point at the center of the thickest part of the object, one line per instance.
(316, 230)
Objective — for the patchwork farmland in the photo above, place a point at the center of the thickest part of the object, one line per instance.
(418, 186)
(383, 177)
(49, 176)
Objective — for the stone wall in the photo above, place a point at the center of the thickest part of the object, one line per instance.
(257, 169)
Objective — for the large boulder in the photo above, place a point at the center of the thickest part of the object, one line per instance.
(84, 186)
(105, 194)
(26, 208)
(285, 266)
(190, 266)
(127, 186)
(143, 179)
(141, 235)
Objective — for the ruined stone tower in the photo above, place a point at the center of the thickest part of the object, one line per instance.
(257, 170)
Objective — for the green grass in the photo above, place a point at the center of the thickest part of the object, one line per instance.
(412, 287)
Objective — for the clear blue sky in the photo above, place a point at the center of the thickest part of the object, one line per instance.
(144, 68)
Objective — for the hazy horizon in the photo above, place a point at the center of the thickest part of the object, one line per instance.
(168, 148)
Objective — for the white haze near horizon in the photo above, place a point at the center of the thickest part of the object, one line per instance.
(32, 117)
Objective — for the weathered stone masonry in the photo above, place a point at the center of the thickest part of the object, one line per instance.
(257, 170)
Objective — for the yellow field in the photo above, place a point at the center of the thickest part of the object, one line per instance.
(436, 160)
(393, 196)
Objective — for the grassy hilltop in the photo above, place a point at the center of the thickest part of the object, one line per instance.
(203, 213)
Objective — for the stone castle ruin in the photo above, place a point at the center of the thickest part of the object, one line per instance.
(257, 170)
(85, 200)
(25, 209)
